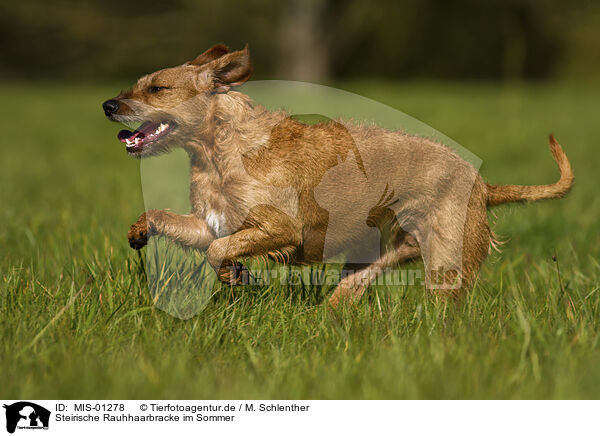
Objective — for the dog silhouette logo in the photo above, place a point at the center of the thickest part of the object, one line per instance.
(26, 415)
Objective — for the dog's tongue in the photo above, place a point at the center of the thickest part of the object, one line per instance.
(140, 132)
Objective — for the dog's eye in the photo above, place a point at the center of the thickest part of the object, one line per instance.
(155, 89)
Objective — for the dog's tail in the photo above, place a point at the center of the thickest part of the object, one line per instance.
(499, 194)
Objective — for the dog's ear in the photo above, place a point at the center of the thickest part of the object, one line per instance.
(210, 55)
(230, 70)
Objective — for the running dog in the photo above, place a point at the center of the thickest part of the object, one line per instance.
(263, 184)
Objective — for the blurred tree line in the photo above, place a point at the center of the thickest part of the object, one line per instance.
(313, 40)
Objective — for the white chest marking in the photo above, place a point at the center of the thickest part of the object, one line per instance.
(216, 221)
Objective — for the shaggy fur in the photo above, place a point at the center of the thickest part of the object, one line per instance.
(264, 184)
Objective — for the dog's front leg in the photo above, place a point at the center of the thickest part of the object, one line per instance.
(250, 242)
(188, 230)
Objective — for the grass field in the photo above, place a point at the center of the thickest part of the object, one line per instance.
(76, 319)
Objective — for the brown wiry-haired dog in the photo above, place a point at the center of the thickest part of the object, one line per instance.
(264, 184)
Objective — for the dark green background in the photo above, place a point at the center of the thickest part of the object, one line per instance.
(306, 40)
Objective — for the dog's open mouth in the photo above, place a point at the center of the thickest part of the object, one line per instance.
(147, 133)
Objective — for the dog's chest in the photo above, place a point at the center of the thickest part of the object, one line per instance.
(222, 213)
(217, 222)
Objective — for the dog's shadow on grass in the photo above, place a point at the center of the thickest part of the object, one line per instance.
(272, 281)
(182, 283)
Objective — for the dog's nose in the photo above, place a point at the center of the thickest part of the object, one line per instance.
(110, 107)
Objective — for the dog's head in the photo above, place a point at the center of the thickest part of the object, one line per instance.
(174, 104)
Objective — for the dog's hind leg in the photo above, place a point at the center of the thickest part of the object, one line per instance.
(477, 240)
(351, 288)
(455, 251)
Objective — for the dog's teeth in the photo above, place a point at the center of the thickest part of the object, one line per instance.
(160, 128)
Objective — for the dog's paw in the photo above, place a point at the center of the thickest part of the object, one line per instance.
(346, 293)
(235, 274)
(139, 233)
